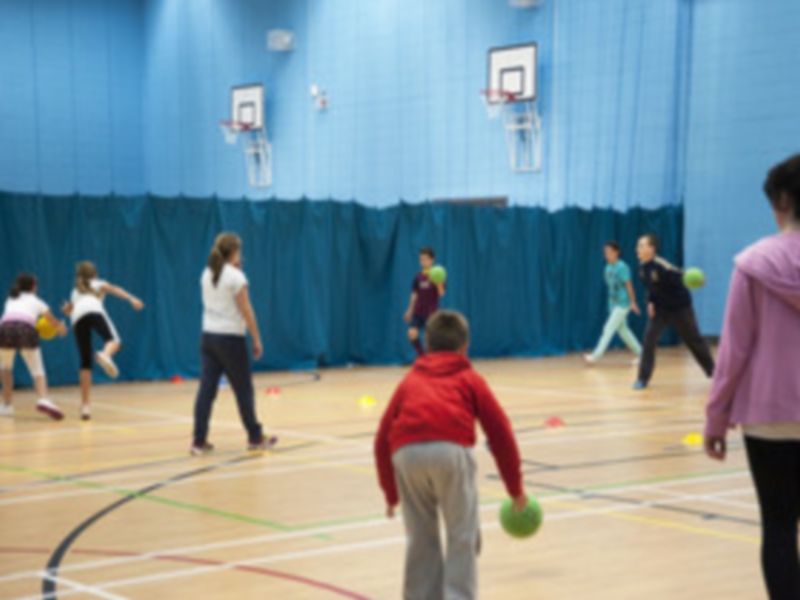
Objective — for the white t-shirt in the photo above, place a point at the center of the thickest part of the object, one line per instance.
(86, 304)
(26, 306)
(220, 311)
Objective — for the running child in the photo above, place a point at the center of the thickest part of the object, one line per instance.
(18, 333)
(669, 304)
(425, 296)
(621, 301)
(425, 460)
(227, 316)
(89, 315)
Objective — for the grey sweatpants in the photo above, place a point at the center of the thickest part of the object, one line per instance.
(434, 477)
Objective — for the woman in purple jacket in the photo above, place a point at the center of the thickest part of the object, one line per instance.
(757, 381)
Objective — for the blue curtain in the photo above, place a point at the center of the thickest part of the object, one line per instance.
(329, 280)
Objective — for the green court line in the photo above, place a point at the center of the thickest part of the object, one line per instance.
(157, 499)
(333, 522)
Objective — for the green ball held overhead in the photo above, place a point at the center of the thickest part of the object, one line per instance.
(521, 524)
(694, 278)
(437, 275)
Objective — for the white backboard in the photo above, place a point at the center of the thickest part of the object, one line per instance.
(247, 105)
(513, 69)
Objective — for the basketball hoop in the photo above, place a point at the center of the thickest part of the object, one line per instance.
(495, 101)
(231, 129)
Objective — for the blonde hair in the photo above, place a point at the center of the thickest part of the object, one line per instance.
(84, 273)
(225, 246)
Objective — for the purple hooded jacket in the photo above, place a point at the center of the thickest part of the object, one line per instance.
(757, 378)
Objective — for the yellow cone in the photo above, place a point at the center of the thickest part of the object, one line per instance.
(367, 401)
(693, 439)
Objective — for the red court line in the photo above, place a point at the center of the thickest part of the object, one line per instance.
(320, 585)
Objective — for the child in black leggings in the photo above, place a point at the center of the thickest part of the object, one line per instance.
(89, 315)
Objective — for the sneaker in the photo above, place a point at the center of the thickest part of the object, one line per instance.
(590, 359)
(201, 450)
(6, 410)
(267, 443)
(640, 385)
(86, 413)
(50, 409)
(105, 361)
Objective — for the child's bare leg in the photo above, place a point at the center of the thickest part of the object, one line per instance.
(111, 348)
(413, 336)
(86, 385)
(40, 384)
(8, 385)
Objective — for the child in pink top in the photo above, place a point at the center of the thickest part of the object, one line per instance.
(757, 382)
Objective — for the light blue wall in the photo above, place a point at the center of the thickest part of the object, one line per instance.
(405, 120)
(744, 118)
(70, 96)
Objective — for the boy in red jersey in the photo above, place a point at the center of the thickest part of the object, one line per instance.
(424, 456)
(425, 297)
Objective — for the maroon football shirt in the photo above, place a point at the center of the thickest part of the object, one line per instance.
(427, 296)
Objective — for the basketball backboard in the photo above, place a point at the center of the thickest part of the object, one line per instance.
(247, 105)
(512, 69)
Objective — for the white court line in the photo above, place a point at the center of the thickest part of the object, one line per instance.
(132, 486)
(133, 474)
(275, 537)
(86, 429)
(338, 549)
(716, 498)
(558, 438)
(79, 587)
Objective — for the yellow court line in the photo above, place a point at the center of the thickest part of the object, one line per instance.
(621, 516)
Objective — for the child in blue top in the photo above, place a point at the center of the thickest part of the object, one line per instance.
(621, 301)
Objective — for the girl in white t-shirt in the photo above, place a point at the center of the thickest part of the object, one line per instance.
(89, 315)
(18, 333)
(227, 316)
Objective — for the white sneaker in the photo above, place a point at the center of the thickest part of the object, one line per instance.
(50, 409)
(590, 359)
(86, 412)
(6, 410)
(105, 361)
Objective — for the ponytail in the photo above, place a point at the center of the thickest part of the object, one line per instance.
(25, 282)
(84, 273)
(225, 246)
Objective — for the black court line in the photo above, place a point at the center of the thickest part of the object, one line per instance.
(85, 474)
(49, 585)
(591, 495)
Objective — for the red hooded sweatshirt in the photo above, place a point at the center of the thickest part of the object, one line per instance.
(439, 401)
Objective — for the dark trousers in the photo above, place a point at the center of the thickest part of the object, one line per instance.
(685, 325)
(775, 467)
(228, 355)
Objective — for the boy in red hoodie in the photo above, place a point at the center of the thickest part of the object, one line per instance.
(424, 456)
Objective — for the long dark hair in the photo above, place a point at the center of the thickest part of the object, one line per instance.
(25, 282)
(225, 246)
(784, 178)
(84, 273)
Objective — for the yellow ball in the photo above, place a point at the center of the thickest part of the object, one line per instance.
(46, 329)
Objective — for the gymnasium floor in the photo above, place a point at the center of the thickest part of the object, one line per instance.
(123, 512)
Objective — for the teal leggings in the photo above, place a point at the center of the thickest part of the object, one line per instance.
(617, 323)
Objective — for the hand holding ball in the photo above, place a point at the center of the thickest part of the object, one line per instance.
(521, 524)
(437, 275)
(694, 278)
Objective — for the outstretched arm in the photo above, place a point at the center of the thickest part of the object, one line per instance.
(410, 310)
(117, 291)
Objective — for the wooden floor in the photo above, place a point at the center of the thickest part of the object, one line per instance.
(122, 511)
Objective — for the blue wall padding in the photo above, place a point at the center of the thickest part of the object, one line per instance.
(330, 281)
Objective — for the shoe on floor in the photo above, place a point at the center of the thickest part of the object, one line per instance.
(107, 363)
(640, 385)
(201, 450)
(6, 410)
(265, 444)
(86, 413)
(50, 409)
(590, 359)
